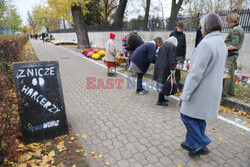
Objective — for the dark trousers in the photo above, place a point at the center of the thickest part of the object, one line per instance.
(195, 137)
(139, 81)
(161, 98)
(178, 77)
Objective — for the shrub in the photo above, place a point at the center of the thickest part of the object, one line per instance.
(10, 51)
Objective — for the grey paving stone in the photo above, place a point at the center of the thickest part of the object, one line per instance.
(152, 159)
(136, 164)
(153, 150)
(165, 160)
(118, 144)
(126, 154)
(123, 163)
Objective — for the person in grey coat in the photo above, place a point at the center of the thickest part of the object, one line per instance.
(201, 95)
(164, 66)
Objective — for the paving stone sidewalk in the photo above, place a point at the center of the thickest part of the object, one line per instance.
(131, 130)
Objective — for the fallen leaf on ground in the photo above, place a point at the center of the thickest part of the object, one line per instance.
(94, 154)
(241, 133)
(60, 143)
(77, 151)
(107, 163)
(84, 136)
(100, 155)
(77, 134)
(85, 154)
(72, 138)
(51, 154)
(220, 138)
(179, 165)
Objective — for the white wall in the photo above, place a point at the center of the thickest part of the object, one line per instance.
(100, 39)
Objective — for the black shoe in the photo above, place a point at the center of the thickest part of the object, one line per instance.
(109, 74)
(185, 147)
(165, 100)
(162, 104)
(194, 154)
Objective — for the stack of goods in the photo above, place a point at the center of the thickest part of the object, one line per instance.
(182, 66)
(94, 53)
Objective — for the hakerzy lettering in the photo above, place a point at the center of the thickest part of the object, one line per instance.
(40, 99)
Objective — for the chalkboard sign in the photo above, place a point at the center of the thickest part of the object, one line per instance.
(40, 100)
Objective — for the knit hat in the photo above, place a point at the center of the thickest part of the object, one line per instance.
(172, 40)
(112, 36)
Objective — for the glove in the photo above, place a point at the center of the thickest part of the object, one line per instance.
(172, 71)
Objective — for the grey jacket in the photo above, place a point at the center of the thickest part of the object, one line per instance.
(110, 51)
(202, 90)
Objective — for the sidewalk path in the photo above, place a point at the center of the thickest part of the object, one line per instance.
(130, 130)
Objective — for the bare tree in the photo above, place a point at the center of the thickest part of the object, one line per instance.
(117, 25)
(108, 6)
(146, 14)
(174, 12)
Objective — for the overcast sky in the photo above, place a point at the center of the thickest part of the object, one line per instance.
(134, 8)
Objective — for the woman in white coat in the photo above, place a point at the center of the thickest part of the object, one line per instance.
(201, 95)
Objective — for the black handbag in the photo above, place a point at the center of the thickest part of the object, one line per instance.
(170, 86)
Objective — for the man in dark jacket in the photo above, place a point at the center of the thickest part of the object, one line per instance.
(164, 66)
(181, 48)
(43, 36)
(198, 37)
(141, 59)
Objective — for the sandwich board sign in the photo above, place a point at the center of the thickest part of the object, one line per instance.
(40, 100)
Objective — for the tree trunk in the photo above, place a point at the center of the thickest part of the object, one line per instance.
(117, 25)
(80, 27)
(64, 25)
(174, 12)
(146, 15)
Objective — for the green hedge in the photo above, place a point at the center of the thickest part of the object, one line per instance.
(10, 51)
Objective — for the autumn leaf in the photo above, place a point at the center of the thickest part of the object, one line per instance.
(220, 138)
(94, 154)
(241, 133)
(77, 151)
(85, 154)
(51, 154)
(77, 134)
(60, 143)
(107, 163)
(84, 136)
(72, 138)
(179, 165)
(100, 155)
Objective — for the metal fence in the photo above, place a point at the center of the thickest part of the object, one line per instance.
(244, 19)
(160, 24)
